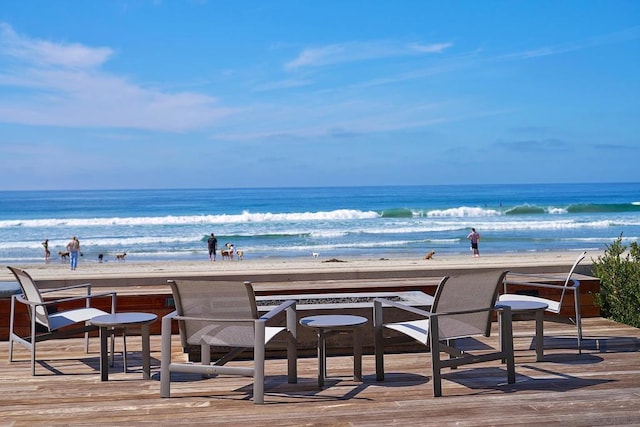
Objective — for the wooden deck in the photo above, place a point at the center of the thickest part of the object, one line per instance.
(599, 387)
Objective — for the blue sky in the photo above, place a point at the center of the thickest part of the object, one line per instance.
(175, 94)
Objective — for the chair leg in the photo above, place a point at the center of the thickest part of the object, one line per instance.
(436, 366)
(11, 319)
(292, 348)
(11, 347)
(378, 340)
(205, 358)
(452, 343)
(124, 348)
(292, 360)
(165, 358)
(112, 357)
(576, 298)
(258, 364)
(506, 344)
(33, 342)
(205, 354)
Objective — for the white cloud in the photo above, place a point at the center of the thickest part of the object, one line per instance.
(282, 84)
(628, 34)
(359, 51)
(62, 85)
(332, 118)
(431, 48)
(42, 52)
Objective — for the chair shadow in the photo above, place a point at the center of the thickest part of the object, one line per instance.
(572, 358)
(134, 365)
(471, 344)
(598, 344)
(56, 366)
(614, 344)
(479, 379)
(278, 386)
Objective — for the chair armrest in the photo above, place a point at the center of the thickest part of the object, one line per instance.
(573, 283)
(211, 319)
(20, 298)
(543, 276)
(171, 315)
(66, 288)
(279, 309)
(477, 310)
(395, 304)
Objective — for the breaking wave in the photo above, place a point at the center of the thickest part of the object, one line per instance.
(245, 217)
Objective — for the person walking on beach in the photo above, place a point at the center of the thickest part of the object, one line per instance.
(212, 244)
(74, 250)
(475, 238)
(47, 252)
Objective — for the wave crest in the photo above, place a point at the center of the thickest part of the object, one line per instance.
(398, 213)
(340, 214)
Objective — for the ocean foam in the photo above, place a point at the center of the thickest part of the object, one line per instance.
(340, 214)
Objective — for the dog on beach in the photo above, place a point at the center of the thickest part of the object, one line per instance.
(315, 254)
(240, 255)
(429, 255)
(120, 257)
(63, 255)
(227, 253)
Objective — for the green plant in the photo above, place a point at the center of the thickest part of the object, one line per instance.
(619, 274)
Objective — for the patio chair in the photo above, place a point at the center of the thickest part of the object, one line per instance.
(463, 306)
(45, 322)
(554, 306)
(224, 314)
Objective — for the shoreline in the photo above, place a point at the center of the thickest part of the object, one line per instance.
(509, 261)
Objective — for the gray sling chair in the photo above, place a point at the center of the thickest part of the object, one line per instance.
(463, 307)
(222, 313)
(554, 305)
(55, 325)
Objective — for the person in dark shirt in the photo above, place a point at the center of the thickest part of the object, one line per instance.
(212, 244)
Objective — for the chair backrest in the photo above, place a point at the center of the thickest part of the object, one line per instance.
(222, 300)
(30, 292)
(573, 269)
(478, 290)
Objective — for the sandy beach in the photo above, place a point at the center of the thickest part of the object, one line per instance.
(130, 268)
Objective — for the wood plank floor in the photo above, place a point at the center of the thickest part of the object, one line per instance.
(599, 387)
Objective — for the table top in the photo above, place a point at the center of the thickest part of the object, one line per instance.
(518, 305)
(333, 321)
(117, 319)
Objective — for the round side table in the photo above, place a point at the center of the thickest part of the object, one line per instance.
(538, 309)
(108, 324)
(327, 325)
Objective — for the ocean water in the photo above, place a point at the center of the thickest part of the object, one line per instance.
(268, 223)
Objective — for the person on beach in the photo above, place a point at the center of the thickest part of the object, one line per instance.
(74, 250)
(212, 244)
(47, 253)
(475, 238)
